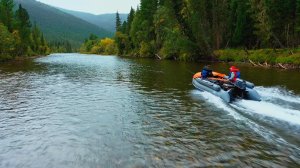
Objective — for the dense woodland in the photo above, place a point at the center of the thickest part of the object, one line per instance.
(60, 27)
(18, 37)
(94, 45)
(262, 31)
(195, 29)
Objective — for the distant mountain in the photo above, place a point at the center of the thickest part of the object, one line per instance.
(58, 25)
(106, 21)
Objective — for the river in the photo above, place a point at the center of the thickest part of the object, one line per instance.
(74, 110)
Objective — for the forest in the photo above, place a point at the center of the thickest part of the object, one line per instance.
(265, 31)
(18, 36)
(259, 31)
(94, 45)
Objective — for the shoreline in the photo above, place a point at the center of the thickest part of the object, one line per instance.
(21, 58)
(277, 58)
(217, 58)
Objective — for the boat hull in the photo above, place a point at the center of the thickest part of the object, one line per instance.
(212, 88)
(227, 96)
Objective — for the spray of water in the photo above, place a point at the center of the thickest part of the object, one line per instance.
(269, 93)
(287, 110)
(219, 103)
(271, 110)
(266, 108)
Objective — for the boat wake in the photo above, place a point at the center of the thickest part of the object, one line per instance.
(277, 103)
(278, 93)
(267, 109)
(278, 113)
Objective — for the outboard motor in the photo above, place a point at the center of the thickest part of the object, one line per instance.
(239, 90)
(241, 84)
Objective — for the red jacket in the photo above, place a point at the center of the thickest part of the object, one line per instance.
(233, 74)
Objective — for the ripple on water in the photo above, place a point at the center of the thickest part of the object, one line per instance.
(87, 111)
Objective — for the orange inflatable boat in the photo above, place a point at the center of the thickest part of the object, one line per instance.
(219, 85)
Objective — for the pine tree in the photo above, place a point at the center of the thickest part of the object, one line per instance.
(297, 23)
(282, 15)
(43, 41)
(129, 20)
(23, 26)
(199, 25)
(118, 22)
(240, 25)
(36, 38)
(124, 27)
(262, 22)
(6, 13)
(191, 29)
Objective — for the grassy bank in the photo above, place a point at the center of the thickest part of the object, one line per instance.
(284, 58)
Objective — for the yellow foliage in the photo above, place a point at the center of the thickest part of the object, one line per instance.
(105, 46)
(106, 42)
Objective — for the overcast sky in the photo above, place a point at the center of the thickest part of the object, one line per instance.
(95, 6)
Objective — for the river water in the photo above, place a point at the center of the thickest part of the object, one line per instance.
(73, 110)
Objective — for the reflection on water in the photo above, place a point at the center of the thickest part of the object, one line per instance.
(72, 110)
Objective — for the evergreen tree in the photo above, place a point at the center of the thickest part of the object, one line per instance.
(118, 22)
(192, 29)
(129, 20)
(6, 13)
(43, 41)
(297, 23)
(23, 26)
(36, 38)
(142, 30)
(199, 25)
(220, 22)
(262, 22)
(17, 37)
(282, 18)
(240, 25)
(124, 27)
(7, 43)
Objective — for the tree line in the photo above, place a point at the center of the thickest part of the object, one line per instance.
(18, 37)
(194, 29)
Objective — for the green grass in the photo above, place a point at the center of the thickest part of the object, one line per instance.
(270, 56)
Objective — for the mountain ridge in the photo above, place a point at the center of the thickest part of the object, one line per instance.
(105, 21)
(60, 26)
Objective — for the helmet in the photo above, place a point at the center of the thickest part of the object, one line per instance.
(232, 68)
(207, 67)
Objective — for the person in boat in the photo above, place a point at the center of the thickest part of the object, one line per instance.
(234, 74)
(206, 72)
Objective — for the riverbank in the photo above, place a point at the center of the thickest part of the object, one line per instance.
(19, 58)
(280, 58)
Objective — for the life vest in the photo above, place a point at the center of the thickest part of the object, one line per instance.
(235, 77)
(205, 73)
(236, 72)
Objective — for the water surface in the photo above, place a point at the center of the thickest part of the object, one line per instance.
(72, 110)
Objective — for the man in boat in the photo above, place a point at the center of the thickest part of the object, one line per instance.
(206, 72)
(234, 74)
(239, 86)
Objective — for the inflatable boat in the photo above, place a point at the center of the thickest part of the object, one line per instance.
(223, 88)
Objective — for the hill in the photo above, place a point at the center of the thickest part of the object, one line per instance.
(58, 25)
(106, 21)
